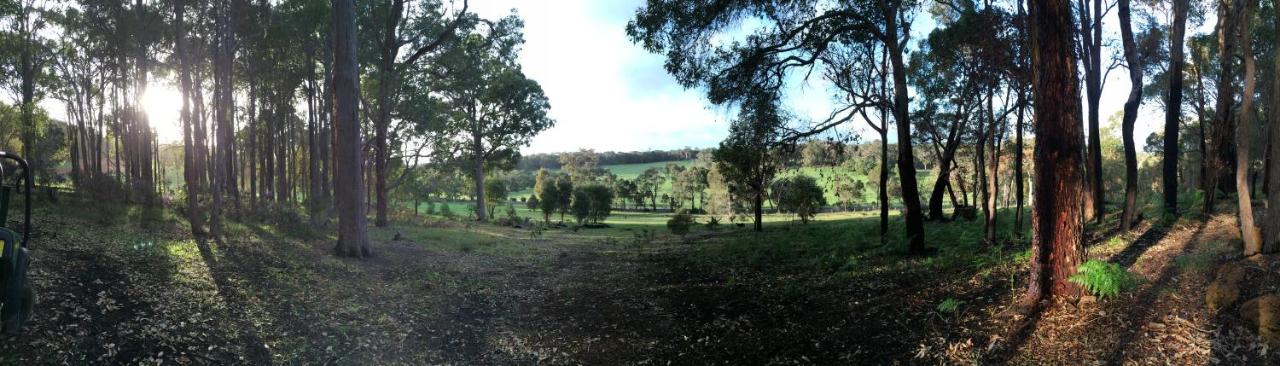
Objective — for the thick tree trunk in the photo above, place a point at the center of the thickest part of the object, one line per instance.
(1248, 229)
(190, 159)
(906, 158)
(226, 124)
(1129, 215)
(221, 109)
(1057, 215)
(353, 240)
(1173, 107)
(390, 48)
(1218, 154)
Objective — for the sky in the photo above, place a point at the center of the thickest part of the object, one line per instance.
(609, 94)
(606, 93)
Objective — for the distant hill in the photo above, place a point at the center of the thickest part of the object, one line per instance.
(609, 158)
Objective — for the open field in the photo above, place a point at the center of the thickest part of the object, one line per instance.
(826, 177)
(134, 288)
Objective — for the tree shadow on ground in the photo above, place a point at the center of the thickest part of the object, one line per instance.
(255, 350)
(1154, 234)
(1022, 331)
(1140, 309)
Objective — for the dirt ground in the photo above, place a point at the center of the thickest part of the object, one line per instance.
(124, 294)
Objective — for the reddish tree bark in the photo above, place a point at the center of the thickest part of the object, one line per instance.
(1057, 216)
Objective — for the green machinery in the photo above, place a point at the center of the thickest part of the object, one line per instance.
(16, 295)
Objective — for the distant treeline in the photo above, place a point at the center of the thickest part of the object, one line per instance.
(552, 160)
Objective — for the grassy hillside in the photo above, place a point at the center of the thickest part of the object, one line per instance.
(826, 177)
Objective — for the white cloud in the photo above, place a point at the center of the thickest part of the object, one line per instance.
(606, 92)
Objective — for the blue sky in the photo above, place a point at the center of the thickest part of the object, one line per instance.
(609, 94)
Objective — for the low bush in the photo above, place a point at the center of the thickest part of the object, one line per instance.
(680, 223)
(1104, 279)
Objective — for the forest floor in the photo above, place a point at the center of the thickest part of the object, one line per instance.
(132, 287)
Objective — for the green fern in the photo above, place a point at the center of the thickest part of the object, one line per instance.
(950, 305)
(1104, 279)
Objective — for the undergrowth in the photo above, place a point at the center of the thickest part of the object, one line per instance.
(1104, 279)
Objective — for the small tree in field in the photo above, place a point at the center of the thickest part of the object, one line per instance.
(581, 206)
(600, 202)
(801, 195)
(564, 195)
(494, 193)
(532, 203)
(745, 159)
(549, 202)
(680, 223)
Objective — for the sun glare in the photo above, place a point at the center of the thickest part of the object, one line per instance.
(163, 104)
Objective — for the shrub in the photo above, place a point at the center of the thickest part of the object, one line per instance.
(1103, 279)
(713, 223)
(680, 223)
(600, 200)
(532, 203)
(431, 208)
(494, 193)
(446, 211)
(592, 203)
(581, 207)
(800, 195)
(512, 216)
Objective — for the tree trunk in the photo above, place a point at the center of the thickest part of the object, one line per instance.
(353, 240)
(28, 75)
(1017, 166)
(947, 158)
(992, 190)
(1091, 36)
(1129, 215)
(1057, 214)
(315, 199)
(226, 124)
(883, 193)
(477, 171)
(1173, 107)
(1248, 229)
(906, 159)
(758, 205)
(1272, 222)
(390, 49)
(1222, 129)
(190, 171)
